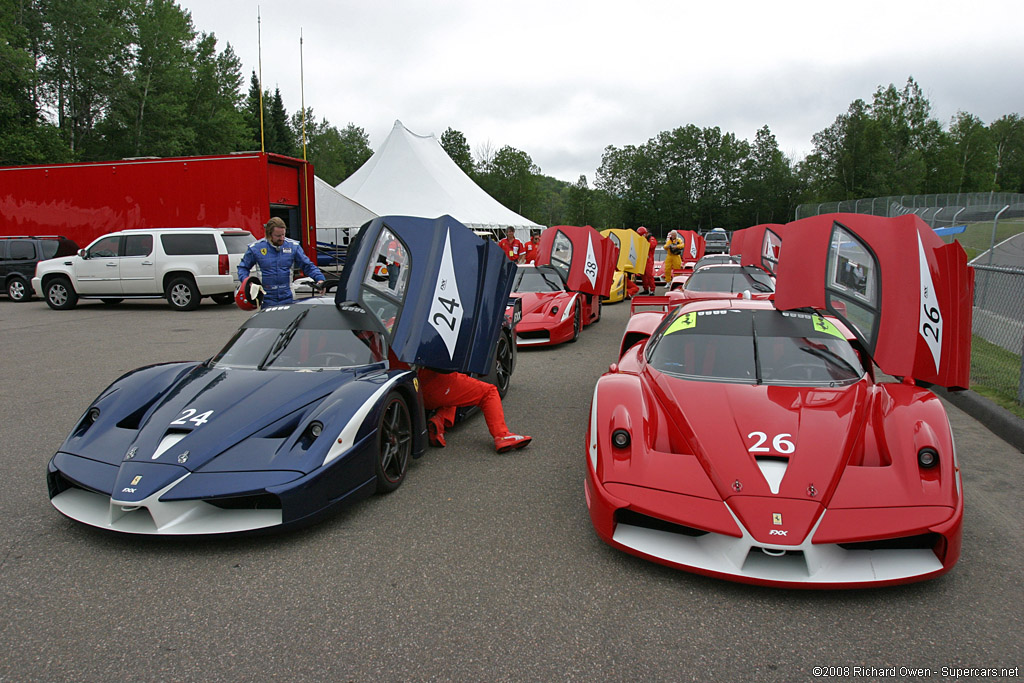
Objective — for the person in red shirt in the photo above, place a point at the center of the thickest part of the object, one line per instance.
(512, 247)
(532, 248)
(648, 278)
(444, 392)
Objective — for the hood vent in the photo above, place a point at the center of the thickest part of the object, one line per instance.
(170, 438)
(773, 469)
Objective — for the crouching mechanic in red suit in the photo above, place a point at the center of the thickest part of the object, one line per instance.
(444, 392)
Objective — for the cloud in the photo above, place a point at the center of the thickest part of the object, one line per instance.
(563, 79)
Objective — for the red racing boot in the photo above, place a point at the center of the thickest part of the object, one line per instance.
(435, 431)
(511, 441)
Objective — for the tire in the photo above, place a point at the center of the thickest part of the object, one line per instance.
(223, 299)
(18, 290)
(111, 301)
(60, 295)
(182, 294)
(503, 361)
(394, 443)
(577, 322)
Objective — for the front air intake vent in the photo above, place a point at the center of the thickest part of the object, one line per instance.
(634, 518)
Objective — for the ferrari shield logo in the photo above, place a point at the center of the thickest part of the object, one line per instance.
(263, 251)
(777, 518)
(136, 480)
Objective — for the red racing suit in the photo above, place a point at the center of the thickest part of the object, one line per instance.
(513, 249)
(444, 392)
(648, 278)
(532, 251)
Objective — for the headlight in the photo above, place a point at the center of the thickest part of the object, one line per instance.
(315, 429)
(620, 438)
(93, 414)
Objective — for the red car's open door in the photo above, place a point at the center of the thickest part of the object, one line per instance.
(904, 293)
(694, 245)
(584, 258)
(759, 245)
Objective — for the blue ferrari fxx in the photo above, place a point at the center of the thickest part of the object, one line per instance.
(308, 405)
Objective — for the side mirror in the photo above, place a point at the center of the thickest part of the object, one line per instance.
(83, 253)
(614, 367)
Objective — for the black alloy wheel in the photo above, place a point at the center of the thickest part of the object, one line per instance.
(394, 443)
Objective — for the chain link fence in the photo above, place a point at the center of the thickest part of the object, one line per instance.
(972, 209)
(997, 350)
(938, 210)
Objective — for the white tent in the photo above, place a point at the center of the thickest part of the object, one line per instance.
(335, 212)
(412, 175)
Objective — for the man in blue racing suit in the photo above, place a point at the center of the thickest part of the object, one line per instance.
(276, 255)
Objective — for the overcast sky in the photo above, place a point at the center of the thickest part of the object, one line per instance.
(562, 79)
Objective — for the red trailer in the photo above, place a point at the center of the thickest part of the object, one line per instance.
(83, 201)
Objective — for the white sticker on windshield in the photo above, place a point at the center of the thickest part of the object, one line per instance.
(590, 267)
(632, 253)
(693, 247)
(931, 317)
(446, 307)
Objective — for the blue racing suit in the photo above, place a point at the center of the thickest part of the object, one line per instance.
(276, 268)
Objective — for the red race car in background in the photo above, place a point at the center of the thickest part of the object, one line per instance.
(752, 440)
(562, 293)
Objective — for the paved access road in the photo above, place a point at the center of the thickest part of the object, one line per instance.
(479, 568)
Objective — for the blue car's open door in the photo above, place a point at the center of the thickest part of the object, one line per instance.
(904, 293)
(437, 290)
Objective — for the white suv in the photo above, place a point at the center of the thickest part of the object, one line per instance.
(181, 264)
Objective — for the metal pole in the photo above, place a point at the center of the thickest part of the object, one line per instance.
(1020, 381)
(995, 224)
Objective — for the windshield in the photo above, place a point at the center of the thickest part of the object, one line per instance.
(659, 254)
(734, 280)
(716, 237)
(534, 279)
(311, 339)
(762, 347)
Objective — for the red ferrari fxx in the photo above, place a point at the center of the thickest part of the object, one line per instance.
(562, 293)
(752, 440)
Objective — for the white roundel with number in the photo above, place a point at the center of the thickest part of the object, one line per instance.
(931, 318)
(590, 267)
(446, 306)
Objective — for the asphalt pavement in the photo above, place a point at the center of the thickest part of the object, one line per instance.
(481, 567)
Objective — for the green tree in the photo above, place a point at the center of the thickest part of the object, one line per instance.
(355, 148)
(24, 136)
(578, 211)
(254, 108)
(334, 154)
(1007, 134)
(215, 104)
(974, 153)
(768, 187)
(85, 47)
(282, 141)
(511, 179)
(454, 143)
(147, 114)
